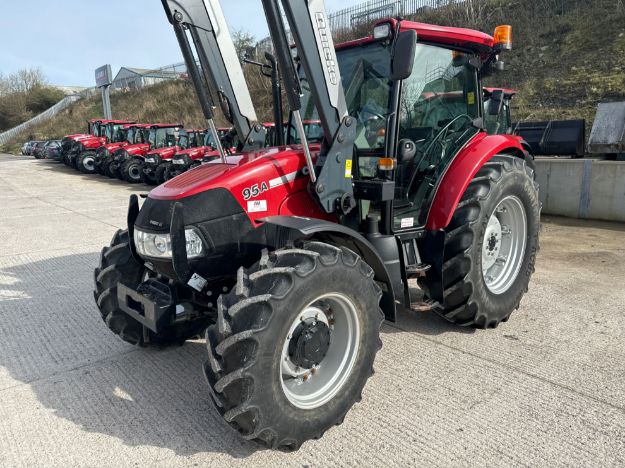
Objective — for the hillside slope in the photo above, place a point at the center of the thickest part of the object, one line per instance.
(568, 56)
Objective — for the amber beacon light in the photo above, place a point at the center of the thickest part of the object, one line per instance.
(503, 37)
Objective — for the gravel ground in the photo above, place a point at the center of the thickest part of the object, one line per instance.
(546, 388)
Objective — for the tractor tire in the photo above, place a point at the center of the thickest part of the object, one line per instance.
(491, 245)
(118, 264)
(315, 294)
(148, 180)
(108, 170)
(86, 162)
(160, 173)
(131, 170)
(169, 172)
(74, 162)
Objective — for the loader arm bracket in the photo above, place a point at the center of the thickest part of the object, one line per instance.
(334, 182)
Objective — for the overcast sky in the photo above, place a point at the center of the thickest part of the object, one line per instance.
(68, 39)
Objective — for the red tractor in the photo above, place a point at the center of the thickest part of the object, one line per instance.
(93, 129)
(109, 131)
(84, 153)
(127, 162)
(133, 134)
(158, 161)
(289, 258)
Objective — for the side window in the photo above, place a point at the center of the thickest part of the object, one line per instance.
(439, 102)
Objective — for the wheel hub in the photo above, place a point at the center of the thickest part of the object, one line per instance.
(492, 243)
(89, 163)
(503, 248)
(134, 172)
(310, 343)
(320, 350)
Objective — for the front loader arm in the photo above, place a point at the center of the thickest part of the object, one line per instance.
(310, 28)
(220, 66)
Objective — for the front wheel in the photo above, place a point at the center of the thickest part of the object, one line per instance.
(160, 173)
(491, 245)
(86, 162)
(118, 265)
(131, 170)
(294, 343)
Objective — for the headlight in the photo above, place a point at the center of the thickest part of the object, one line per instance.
(149, 160)
(159, 245)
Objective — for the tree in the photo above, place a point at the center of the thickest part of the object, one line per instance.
(244, 43)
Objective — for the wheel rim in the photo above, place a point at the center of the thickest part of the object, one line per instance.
(88, 163)
(503, 248)
(134, 172)
(312, 387)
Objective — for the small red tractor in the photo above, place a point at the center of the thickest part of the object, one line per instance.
(289, 258)
(133, 134)
(93, 129)
(158, 161)
(109, 131)
(127, 162)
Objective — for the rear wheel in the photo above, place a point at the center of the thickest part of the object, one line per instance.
(491, 245)
(117, 264)
(131, 170)
(86, 162)
(294, 343)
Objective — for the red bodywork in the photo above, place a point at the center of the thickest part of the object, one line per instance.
(283, 189)
(461, 171)
(197, 153)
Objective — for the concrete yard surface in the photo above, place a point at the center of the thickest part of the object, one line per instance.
(547, 388)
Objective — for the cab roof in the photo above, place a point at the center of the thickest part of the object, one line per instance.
(456, 37)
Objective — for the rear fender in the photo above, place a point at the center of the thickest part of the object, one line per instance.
(462, 170)
(291, 228)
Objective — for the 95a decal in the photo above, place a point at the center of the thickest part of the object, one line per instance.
(255, 190)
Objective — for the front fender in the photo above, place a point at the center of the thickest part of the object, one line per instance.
(462, 170)
(291, 228)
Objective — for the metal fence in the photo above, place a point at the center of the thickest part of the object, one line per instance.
(372, 10)
(45, 115)
(367, 12)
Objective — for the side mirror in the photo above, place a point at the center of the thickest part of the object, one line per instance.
(495, 103)
(403, 55)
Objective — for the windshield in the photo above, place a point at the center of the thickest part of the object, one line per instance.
(183, 141)
(162, 137)
(364, 74)
(209, 140)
